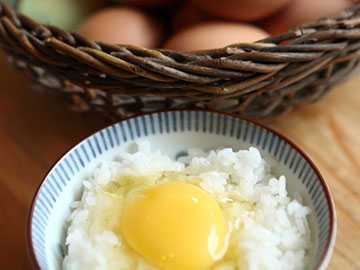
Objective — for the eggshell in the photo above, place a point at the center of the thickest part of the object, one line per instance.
(302, 11)
(212, 35)
(243, 10)
(120, 25)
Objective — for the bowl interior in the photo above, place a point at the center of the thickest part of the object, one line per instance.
(173, 132)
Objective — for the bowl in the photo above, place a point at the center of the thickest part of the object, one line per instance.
(172, 132)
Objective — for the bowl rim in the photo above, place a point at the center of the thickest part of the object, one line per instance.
(325, 259)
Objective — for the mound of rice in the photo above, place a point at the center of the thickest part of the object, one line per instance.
(270, 230)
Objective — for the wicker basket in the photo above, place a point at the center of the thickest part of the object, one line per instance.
(256, 80)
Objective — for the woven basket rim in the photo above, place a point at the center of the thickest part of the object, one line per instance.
(271, 41)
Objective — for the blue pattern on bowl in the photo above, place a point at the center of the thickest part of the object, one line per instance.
(123, 133)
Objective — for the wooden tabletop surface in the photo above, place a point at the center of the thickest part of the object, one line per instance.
(35, 130)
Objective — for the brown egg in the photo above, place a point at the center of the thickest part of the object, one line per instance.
(120, 25)
(243, 10)
(212, 35)
(302, 11)
(188, 14)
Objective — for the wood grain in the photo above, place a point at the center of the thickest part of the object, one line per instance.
(35, 130)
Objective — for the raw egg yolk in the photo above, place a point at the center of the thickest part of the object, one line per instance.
(176, 226)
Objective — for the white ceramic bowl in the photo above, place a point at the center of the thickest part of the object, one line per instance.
(173, 132)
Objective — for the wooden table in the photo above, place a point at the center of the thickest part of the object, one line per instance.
(36, 129)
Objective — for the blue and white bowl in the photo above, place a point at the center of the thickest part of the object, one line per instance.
(173, 132)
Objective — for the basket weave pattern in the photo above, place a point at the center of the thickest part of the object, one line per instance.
(258, 80)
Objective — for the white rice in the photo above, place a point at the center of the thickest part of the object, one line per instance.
(270, 230)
